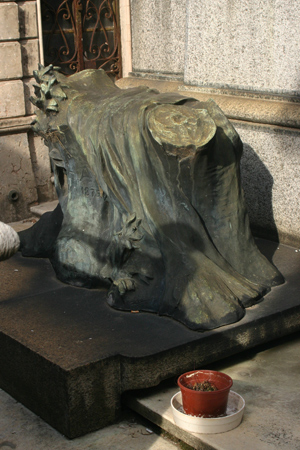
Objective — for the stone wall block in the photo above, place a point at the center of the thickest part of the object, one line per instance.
(271, 179)
(247, 45)
(41, 168)
(16, 174)
(9, 27)
(158, 35)
(12, 102)
(28, 20)
(10, 57)
(30, 56)
(28, 92)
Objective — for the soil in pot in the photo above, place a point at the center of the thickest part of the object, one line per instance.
(205, 386)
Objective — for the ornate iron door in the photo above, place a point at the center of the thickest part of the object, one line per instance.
(82, 34)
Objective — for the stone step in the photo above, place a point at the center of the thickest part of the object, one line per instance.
(270, 390)
(80, 355)
(37, 211)
(42, 208)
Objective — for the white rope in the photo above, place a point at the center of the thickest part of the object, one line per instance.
(9, 241)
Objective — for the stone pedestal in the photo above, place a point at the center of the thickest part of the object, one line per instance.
(67, 356)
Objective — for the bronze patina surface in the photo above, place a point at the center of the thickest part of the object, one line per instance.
(151, 203)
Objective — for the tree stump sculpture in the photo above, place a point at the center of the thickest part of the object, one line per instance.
(150, 200)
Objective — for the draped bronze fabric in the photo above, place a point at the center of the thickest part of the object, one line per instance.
(149, 186)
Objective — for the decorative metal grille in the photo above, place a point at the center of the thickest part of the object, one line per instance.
(82, 34)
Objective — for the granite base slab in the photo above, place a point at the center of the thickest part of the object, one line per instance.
(67, 356)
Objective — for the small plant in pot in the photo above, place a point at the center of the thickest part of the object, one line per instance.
(204, 392)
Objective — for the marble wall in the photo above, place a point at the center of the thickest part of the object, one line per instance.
(246, 55)
(239, 44)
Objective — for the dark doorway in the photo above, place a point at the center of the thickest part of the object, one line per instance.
(82, 34)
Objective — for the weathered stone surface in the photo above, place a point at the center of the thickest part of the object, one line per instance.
(27, 19)
(30, 56)
(15, 124)
(125, 27)
(12, 99)
(74, 356)
(16, 175)
(41, 168)
(23, 430)
(257, 108)
(158, 35)
(9, 21)
(28, 92)
(10, 57)
(246, 45)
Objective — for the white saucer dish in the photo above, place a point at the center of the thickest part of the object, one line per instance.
(232, 419)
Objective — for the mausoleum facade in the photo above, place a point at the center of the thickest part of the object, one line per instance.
(245, 55)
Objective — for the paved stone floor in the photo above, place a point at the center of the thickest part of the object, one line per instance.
(20, 429)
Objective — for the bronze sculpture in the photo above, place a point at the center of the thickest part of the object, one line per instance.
(151, 203)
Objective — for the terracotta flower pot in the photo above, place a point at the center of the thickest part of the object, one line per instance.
(204, 403)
